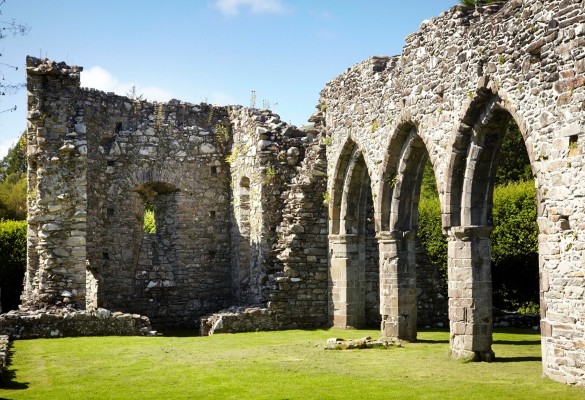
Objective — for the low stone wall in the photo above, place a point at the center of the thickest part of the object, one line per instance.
(53, 323)
(504, 319)
(4, 346)
(239, 319)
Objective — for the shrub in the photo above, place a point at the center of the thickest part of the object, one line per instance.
(149, 222)
(514, 243)
(12, 262)
(515, 246)
(430, 232)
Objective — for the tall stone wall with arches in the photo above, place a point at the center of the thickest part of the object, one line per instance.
(448, 97)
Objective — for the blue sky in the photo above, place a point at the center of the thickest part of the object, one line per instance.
(217, 51)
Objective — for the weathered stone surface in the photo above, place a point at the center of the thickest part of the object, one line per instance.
(51, 323)
(4, 348)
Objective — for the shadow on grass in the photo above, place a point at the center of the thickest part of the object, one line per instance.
(432, 341)
(8, 377)
(517, 359)
(517, 342)
(9, 382)
(178, 333)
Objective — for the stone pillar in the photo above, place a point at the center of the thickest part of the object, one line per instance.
(347, 280)
(57, 194)
(398, 284)
(470, 293)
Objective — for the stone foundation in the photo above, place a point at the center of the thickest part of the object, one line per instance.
(71, 323)
(240, 319)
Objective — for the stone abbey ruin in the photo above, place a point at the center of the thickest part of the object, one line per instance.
(263, 226)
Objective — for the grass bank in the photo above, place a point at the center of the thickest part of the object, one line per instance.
(275, 365)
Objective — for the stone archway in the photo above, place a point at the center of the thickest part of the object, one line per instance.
(470, 185)
(353, 274)
(399, 195)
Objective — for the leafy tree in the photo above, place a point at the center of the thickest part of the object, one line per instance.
(13, 183)
(514, 162)
(15, 160)
(515, 246)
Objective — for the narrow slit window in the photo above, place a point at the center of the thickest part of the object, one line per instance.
(149, 220)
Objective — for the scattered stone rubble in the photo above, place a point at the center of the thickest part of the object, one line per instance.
(362, 343)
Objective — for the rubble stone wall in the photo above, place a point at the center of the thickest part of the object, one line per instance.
(55, 323)
(448, 96)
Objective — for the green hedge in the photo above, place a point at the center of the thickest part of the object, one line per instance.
(514, 243)
(515, 247)
(12, 262)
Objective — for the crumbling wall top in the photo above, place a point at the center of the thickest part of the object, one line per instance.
(45, 66)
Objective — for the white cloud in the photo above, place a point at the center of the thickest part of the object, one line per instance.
(234, 7)
(99, 78)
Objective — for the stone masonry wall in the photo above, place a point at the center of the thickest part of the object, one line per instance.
(55, 323)
(214, 177)
(457, 81)
(57, 184)
(296, 287)
(170, 156)
(262, 162)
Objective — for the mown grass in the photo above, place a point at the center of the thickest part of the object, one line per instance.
(275, 365)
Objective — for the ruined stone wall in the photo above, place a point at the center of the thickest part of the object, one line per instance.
(99, 159)
(56, 323)
(456, 83)
(57, 186)
(214, 177)
(171, 157)
(432, 304)
(262, 162)
(296, 286)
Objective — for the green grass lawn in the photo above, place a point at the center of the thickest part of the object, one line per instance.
(275, 365)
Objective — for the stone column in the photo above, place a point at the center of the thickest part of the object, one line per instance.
(470, 293)
(57, 194)
(398, 284)
(347, 280)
